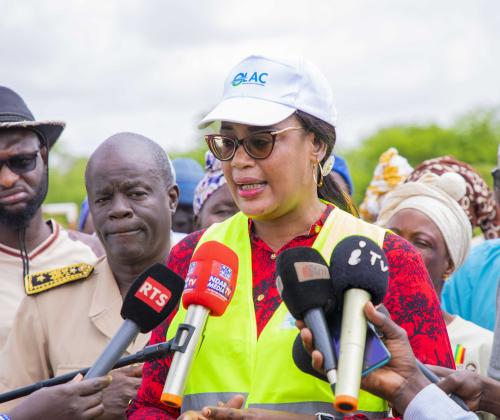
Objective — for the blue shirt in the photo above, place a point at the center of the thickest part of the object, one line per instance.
(471, 291)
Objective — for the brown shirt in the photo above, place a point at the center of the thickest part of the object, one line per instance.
(58, 250)
(63, 329)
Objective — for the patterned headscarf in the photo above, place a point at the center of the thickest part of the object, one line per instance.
(211, 181)
(392, 170)
(478, 203)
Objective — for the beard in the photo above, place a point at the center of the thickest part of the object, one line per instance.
(20, 219)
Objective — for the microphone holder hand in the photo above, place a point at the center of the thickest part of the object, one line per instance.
(152, 352)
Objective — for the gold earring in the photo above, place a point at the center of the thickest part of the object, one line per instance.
(319, 183)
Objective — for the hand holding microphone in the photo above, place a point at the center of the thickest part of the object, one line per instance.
(150, 299)
(399, 380)
(209, 287)
(355, 262)
(359, 273)
(75, 400)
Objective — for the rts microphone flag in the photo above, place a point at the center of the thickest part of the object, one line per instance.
(303, 281)
(359, 273)
(209, 287)
(151, 298)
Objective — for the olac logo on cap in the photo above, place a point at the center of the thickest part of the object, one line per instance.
(254, 79)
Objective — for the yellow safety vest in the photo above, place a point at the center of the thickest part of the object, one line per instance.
(231, 360)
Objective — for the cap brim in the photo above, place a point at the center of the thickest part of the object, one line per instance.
(50, 129)
(249, 111)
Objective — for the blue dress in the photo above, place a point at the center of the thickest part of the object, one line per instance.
(471, 290)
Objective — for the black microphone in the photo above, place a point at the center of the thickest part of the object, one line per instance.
(152, 352)
(359, 273)
(303, 281)
(151, 298)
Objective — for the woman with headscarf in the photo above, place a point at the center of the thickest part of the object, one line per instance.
(212, 202)
(392, 169)
(426, 212)
(276, 137)
(470, 290)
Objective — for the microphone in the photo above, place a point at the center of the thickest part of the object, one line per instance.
(359, 272)
(148, 353)
(209, 287)
(151, 298)
(303, 281)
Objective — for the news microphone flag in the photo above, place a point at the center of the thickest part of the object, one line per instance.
(359, 273)
(209, 287)
(151, 299)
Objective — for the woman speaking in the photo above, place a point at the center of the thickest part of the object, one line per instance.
(276, 137)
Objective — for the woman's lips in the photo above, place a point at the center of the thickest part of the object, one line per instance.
(251, 190)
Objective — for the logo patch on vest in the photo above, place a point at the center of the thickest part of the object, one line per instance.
(44, 280)
(289, 322)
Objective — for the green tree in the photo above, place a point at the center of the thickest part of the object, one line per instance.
(197, 154)
(66, 177)
(472, 138)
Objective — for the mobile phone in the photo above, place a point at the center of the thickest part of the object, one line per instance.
(376, 353)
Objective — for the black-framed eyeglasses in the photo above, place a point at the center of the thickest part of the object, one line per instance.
(258, 145)
(22, 163)
(496, 178)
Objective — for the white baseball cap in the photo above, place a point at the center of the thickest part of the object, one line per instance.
(263, 91)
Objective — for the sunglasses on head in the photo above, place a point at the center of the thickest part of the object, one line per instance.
(20, 164)
(258, 145)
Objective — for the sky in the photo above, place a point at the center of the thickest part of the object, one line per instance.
(155, 67)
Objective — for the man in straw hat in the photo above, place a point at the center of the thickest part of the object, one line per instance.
(34, 254)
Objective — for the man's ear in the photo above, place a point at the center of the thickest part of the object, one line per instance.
(173, 197)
